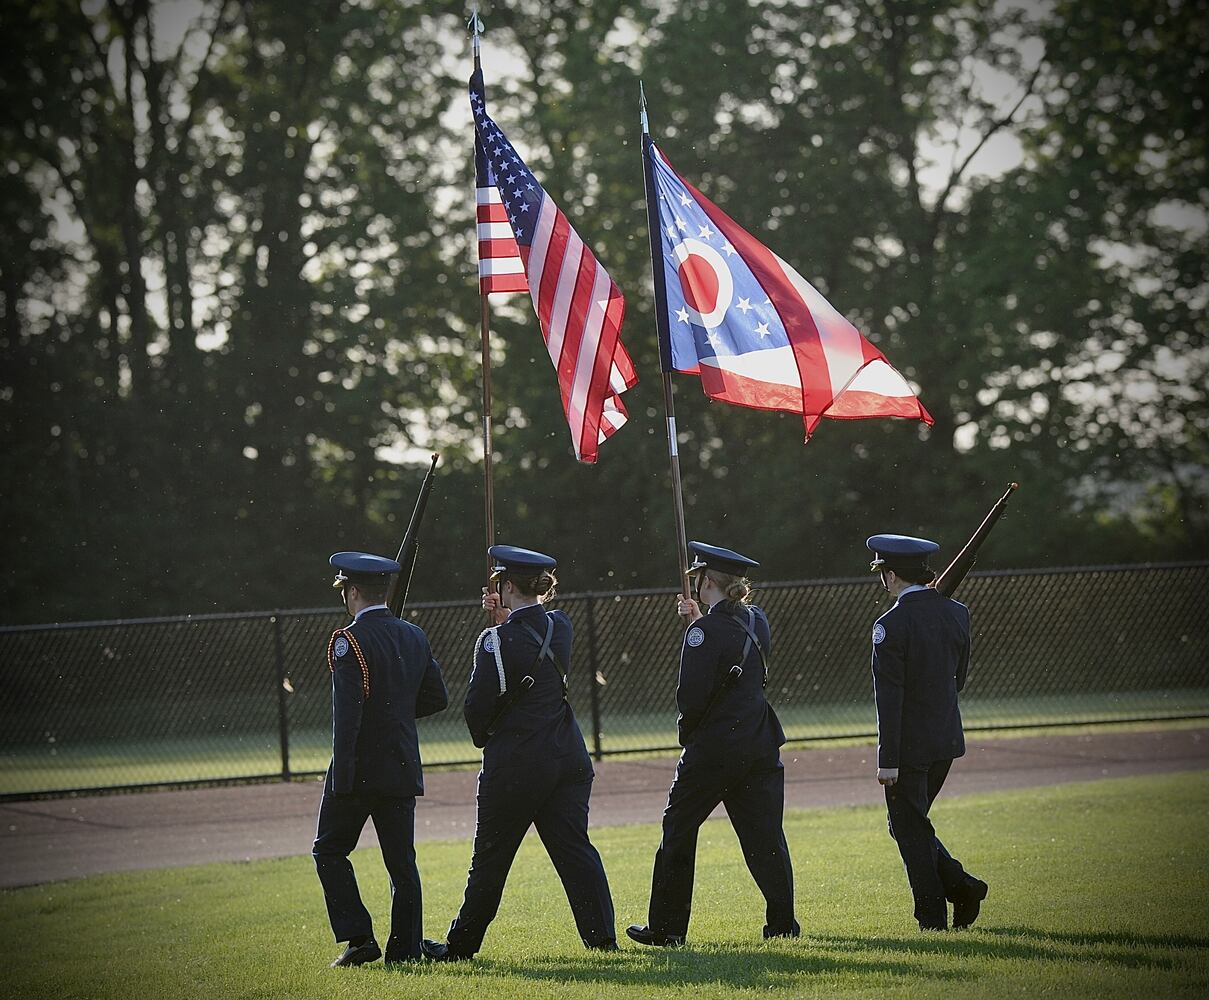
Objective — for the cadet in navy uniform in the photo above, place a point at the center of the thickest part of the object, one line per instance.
(731, 739)
(921, 653)
(536, 768)
(384, 677)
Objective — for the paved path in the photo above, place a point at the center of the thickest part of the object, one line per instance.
(69, 838)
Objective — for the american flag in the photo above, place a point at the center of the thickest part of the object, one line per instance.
(525, 241)
(500, 266)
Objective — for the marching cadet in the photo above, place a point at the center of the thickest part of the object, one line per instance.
(921, 653)
(536, 767)
(731, 738)
(384, 677)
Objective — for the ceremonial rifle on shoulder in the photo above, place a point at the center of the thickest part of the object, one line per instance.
(396, 597)
(948, 581)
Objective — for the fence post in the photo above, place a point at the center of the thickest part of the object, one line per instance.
(594, 681)
(283, 721)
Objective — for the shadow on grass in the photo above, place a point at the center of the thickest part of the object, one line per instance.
(740, 968)
(1120, 939)
(1122, 948)
(754, 967)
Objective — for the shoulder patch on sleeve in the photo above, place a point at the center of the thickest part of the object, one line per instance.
(338, 647)
(879, 633)
(489, 642)
(695, 637)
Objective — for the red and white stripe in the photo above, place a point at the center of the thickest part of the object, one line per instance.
(580, 311)
(862, 382)
(829, 368)
(500, 266)
(849, 377)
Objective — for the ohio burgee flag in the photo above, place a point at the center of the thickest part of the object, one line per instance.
(756, 332)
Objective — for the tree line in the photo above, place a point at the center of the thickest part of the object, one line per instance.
(238, 303)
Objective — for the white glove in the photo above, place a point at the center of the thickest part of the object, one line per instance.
(887, 775)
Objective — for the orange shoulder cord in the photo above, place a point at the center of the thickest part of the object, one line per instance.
(356, 648)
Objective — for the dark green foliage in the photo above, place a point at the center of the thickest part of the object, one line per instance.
(229, 305)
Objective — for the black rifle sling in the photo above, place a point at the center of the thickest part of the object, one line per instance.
(545, 652)
(749, 628)
(507, 702)
(732, 676)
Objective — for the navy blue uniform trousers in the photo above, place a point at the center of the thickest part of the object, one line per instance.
(753, 792)
(551, 795)
(934, 874)
(341, 820)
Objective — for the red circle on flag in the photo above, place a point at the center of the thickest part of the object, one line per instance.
(706, 284)
(699, 281)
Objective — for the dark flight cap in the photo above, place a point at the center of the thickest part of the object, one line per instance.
(899, 550)
(512, 558)
(723, 560)
(362, 567)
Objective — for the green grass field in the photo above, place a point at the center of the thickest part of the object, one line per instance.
(66, 766)
(1097, 890)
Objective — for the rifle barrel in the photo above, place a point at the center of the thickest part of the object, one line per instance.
(948, 581)
(410, 545)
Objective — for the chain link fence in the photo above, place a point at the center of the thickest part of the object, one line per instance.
(207, 698)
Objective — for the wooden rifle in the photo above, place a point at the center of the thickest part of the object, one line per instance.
(396, 597)
(948, 581)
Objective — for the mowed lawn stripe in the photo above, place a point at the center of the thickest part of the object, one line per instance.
(1096, 890)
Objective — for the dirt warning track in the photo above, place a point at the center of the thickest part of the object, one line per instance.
(70, 838)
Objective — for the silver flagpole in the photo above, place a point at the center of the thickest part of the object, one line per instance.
(657, 278)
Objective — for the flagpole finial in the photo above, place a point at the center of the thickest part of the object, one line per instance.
(642, 117)
(475, 25)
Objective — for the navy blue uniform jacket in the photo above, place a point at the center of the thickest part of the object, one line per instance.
(921, 653)
(741, 720)
(384, 677)
(540, 724)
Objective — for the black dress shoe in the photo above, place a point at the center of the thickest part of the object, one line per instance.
(967, 905)
(358, 954)
(607, 945)
(644, 935)
(438, 951)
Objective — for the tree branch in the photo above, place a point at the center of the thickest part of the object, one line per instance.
(996, 125)
(203, 70)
